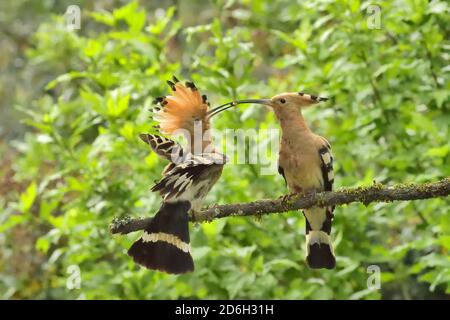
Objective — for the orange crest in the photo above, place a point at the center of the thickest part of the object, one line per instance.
(181, 109)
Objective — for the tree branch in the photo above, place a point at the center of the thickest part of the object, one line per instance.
(375, 193)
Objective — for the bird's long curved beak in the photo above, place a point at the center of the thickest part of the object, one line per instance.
(221, 108)
(255, 101)
(232, 104)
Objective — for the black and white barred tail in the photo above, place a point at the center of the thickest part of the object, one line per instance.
(319, 248)
(165, 244)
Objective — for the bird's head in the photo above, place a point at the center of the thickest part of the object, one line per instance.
(287, 100)
(279, 102)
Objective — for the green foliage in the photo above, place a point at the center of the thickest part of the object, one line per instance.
(82, 164)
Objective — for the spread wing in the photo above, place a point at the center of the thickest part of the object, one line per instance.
(196, 172)
(164, 147)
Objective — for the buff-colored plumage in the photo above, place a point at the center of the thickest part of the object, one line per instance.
(306, 164)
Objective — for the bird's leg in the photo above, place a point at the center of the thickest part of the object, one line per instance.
(285, 201)
(311, 194)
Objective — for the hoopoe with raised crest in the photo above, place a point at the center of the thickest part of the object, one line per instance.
(186, 180)
(306, 164)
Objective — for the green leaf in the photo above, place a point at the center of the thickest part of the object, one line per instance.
(117, 103)
(43, 244)
(65, 78)
(27, 198)
(103, 17)
(12, 221)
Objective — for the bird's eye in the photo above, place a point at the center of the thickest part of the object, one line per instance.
(283, 100)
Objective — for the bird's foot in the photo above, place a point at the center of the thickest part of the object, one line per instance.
(286, 199)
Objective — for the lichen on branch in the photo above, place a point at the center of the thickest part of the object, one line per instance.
(366, 195)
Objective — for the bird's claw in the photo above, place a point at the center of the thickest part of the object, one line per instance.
(285, 199)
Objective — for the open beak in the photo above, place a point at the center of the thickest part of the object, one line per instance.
(232, 104)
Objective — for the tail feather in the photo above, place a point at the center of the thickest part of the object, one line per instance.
(164, 246)
(319, 250)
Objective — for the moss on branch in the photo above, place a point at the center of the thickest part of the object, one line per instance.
(366, 195)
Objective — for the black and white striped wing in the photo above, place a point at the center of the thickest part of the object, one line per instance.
(164, 147)
(191, 179)
(281, 172)
(326, 158)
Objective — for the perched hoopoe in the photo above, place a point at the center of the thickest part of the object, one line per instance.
(186, 180)
(306, 164)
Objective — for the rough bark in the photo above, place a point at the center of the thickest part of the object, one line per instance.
(366, 195)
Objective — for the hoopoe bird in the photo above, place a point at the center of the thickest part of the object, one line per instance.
(306, 164)
(186, 180)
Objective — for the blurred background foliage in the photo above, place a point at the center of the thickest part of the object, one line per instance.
(73, 103)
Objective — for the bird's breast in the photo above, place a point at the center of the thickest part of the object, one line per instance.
(301, 166)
